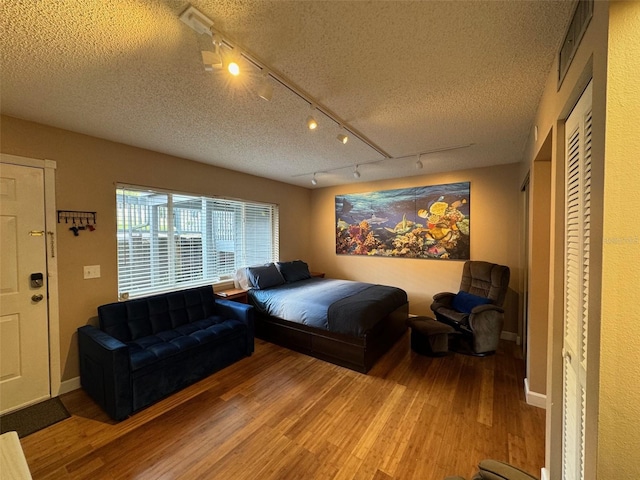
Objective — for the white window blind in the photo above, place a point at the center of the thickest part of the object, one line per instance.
(172, 240)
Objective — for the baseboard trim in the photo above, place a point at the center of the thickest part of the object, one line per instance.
(510, 336)
(533, 398)
(543, 474)
(69, 385)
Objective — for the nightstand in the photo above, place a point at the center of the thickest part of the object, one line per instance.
(235, 294)
(317, 274)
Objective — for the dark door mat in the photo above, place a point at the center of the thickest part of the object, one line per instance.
(34, 418)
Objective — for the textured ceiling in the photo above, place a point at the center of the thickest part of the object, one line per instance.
(410, 76)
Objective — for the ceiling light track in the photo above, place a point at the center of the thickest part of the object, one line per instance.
(417, 155)
(436, 150)
(202, 24)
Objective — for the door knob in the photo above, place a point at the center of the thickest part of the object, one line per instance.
(37, 298)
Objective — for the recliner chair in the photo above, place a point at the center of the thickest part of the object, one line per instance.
(494, 470)
(476, 310)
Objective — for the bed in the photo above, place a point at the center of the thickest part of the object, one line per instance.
(351, 324)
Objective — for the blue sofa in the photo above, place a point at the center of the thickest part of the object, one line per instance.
(147, 348)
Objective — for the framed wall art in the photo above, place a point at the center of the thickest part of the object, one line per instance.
(418, 222)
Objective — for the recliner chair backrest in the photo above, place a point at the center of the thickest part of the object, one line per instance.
(485, 280)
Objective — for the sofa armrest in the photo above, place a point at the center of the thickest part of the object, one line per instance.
(234, 310)
(238, 311)
(105, 372)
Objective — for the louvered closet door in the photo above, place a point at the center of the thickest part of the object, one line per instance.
(576, 295)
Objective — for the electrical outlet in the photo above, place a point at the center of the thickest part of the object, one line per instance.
(91, 271)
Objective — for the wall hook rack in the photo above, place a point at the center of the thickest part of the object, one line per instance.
(79, 220)
(77, 217)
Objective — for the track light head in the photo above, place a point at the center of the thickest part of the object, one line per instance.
(232, 63)
(314, 180)
(211, 59)
(312, 123)
(342, 138)
(233, 68)
(356, 173)
(419, 163)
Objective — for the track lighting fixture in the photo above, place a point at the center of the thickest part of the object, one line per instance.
(227, 54)
(211, 59)
(234, 68)
(266, 88)
(342, 138)
(210, 51)
(312, 123)
(233, 64)
(356, 169)
(314, 180)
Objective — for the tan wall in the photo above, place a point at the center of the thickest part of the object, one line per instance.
(619, 415)
(495, 196)
(538, 297)
(87, 171)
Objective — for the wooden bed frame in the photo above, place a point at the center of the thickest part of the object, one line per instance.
(356, 353)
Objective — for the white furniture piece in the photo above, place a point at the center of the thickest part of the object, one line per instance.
(14, 465)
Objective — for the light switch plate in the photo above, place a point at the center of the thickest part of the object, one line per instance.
(91, 271)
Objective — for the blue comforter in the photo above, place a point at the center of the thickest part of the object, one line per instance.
(340, 306)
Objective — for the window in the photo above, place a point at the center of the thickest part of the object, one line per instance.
(168, 240)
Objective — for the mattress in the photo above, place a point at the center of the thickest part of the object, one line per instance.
(339, 306)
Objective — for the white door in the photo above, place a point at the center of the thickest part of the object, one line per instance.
(24, 332)
(576, 295)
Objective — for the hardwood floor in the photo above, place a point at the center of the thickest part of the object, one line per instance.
(280, 415)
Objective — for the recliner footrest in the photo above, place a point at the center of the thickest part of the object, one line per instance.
(430, 337)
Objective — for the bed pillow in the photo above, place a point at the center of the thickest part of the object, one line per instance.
(465, 302)
(294, 271)
(241, 279)
(264, 277)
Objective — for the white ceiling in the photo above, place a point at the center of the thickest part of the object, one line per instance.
(410, 76)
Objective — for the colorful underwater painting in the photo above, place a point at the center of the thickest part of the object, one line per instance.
(418, 222)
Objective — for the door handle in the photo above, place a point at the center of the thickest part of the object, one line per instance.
(37, 298)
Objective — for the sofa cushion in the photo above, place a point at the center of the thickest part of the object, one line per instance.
(152, 348)
(142, 317)
(465, 302)
(159, 314)
(138, 318)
